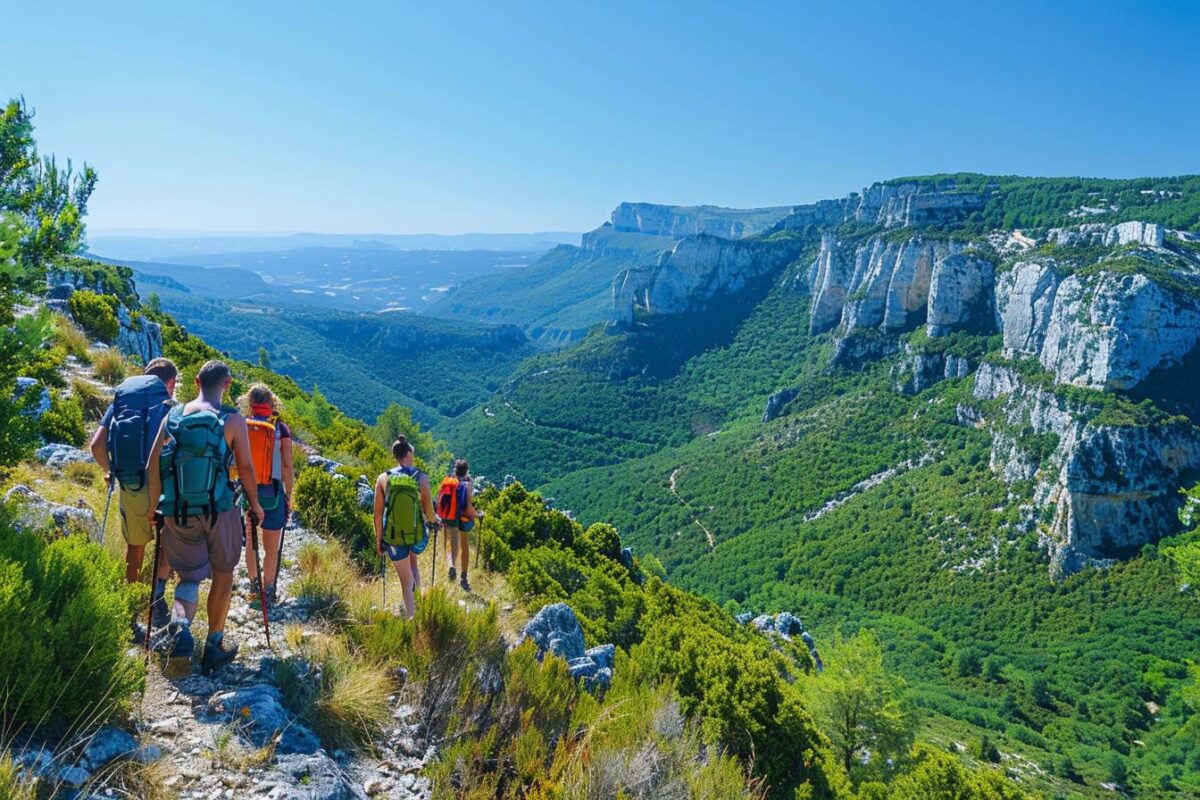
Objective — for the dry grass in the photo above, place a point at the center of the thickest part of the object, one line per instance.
(230, 751)
(83, 473)
(110, 366)
(128, 778)
(59, 489)
(70, 337)
(327, 576)
(93, 399)
(341, 697)
(13, 783)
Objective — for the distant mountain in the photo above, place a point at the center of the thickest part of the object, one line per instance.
(150, 247)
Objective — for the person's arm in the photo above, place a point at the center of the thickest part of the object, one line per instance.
(239, 439)
(471, 513)
(285, 463)
(427, 499)
(99, 445)
(380, 490)
(153, 476)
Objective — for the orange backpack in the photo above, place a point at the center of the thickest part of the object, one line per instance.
(447, 501)
(262, 448)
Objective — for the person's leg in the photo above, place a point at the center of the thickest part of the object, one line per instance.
(224, 539)
(271, 541)
(451, 545)
(251, 553)
(404, 573)
(186, 552)
(135, 554)
(415, 569)
(464, 547)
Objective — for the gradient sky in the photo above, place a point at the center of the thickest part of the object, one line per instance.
(484, 116)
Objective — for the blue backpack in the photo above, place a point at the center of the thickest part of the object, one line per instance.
(139, 406)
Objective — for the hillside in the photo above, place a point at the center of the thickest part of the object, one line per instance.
(958, 410)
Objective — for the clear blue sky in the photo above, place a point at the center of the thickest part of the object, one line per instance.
(358, 117)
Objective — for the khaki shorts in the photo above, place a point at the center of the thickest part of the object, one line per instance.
(200, 547)
(136, 528)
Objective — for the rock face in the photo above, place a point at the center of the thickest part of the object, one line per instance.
(777, 402)
(1111, 488)
(1105, 330)
(908, 204)
(918, 371)
(681, 221)
(141, 339)
(1093, 233)
(896, 286)
(37, 407)
(555, 629)
(696, 272)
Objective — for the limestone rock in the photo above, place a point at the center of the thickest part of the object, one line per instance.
(37, 407)
(35, 512)
(262, 716)
(57, 456)
(556, 629)
(1112, 330)
(326, 464)
(1024, 302)
(682, 221)
(107, 744)
(960, 294)
(777, 402)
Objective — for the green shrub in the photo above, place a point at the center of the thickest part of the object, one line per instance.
(64, 630)
(110, 366)
(96, 314)
(329, 506)
(63, 422)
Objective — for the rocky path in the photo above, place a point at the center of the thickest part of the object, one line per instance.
(672, 483)
(230, 736)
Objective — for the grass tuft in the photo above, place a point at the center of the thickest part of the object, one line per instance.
(71, 338)
(327, 576)
(110, 366)
(92, 398)
(83, 473)
(14, 784)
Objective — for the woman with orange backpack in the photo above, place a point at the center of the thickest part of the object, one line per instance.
(456, 510)
(271, 452)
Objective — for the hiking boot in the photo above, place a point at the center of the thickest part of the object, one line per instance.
(255, 589)
(179, 637)
(466, 587)
(217, 655)
(270, 594)
(160, 615)
(453, 574)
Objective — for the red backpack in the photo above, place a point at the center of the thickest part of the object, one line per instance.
(447, 499)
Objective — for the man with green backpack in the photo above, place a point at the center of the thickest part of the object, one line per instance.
(201, 525)
(121, 446)
(404, 518)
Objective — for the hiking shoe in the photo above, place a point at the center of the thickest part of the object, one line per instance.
(270, 594)
(466, 587)
(139, 633)
(452, 573)
(179, 637)
(161, 615)
(217, 655)
(255, 589)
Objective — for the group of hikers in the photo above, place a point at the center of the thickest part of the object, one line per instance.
(202, 479)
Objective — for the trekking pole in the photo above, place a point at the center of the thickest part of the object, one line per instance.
(385, 572)
(262, 595)
(287, 516)
(112, 482)
(434, 566)
(158, 526)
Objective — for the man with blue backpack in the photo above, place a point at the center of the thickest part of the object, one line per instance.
(188, 472)
(121, 446)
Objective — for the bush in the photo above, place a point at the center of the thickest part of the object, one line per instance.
(329, 506)
(110, 366)
(63, 422)
(64, 628)
(96, 314)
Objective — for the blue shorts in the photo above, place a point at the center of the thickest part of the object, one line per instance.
(464, 525)
(276, 518)
(402, 551)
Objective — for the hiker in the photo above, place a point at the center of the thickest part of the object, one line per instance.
(121, 446)
(271, 452)
(456, 510)
(403, 517)
(202, 530)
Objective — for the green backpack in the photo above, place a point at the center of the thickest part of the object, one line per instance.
(194, 464)
(403, 520)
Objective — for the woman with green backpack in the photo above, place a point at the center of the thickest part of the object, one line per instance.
(404, 516)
